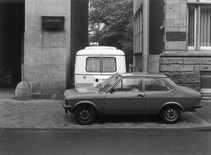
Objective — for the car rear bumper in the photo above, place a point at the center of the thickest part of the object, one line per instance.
(198, 106)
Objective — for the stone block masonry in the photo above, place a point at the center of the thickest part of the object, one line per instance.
(185, 67)
(185, 70)
(175, 21)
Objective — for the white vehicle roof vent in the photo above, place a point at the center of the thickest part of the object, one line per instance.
(100, 47)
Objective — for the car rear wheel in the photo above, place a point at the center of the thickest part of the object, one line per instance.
(84, 115)
(171, 114)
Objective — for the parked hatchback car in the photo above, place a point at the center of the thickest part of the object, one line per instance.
(132, 94)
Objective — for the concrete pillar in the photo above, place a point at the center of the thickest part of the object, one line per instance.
(46, 52)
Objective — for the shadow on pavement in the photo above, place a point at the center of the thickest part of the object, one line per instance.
(127, 119)
(7, 93)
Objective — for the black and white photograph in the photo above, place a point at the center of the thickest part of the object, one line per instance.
(105, 77)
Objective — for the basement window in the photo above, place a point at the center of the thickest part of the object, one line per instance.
(205, 79)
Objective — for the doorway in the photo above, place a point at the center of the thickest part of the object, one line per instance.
(11, 42)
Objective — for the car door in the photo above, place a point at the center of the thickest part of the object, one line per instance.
(158, 92)
(126, 97)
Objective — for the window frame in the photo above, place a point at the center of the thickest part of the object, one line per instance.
(87, 65)
(165, 82)
(138, 31)
(205, 75)
(120, 82)
(197, 27)
(101, 65)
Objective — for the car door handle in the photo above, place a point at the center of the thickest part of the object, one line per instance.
(140, 95)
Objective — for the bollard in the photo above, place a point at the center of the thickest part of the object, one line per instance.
(23, 91)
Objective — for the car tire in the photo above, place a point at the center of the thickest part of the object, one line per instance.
(84, 115)
(171, 114)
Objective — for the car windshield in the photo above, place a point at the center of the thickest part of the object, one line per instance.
(109, 82)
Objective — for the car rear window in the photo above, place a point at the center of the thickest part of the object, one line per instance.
(156, 84)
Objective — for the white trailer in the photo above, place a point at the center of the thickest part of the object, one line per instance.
(94, 64)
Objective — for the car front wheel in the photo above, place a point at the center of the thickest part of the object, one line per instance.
(84, 115)
(171, 114)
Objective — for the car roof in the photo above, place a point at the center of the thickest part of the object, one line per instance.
(144, 74)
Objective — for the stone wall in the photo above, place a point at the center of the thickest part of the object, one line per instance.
(185, 70)
(176, 61)
(175, 23)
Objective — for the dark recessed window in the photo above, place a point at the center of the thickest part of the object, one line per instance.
(205, 79)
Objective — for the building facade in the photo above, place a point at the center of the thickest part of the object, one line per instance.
(38, 43)
(179, 42)
(148, 40)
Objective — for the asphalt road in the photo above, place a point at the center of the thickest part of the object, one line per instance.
(98, 141)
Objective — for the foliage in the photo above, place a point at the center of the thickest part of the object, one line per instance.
(111, 24)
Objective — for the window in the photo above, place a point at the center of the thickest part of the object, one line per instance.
(129, 84)
(199, 27)
(98, 64)
(93, 64)
(109, 64)
(205, 79)
(138, 32)
(152, 84)
(109, 82)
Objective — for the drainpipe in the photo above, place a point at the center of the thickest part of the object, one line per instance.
(145, 35)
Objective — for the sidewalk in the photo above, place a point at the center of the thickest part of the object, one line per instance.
(49, 114)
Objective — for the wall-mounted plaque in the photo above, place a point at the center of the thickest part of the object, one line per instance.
(175, 36)
(53, 22)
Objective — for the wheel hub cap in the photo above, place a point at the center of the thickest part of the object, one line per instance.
(171, 114)
(84, 115)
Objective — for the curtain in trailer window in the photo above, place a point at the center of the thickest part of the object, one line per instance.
(93, 64)
(109, 64)
(191, 26)
(205, 26)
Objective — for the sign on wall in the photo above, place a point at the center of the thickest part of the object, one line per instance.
(53, 22)
(175, 36)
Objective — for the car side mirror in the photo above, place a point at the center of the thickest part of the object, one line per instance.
(112, 90)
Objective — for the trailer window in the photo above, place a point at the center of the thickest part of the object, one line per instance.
(93, 64)
(109, 64)
(97, 64)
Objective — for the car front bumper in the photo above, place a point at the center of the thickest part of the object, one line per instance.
(67, 107)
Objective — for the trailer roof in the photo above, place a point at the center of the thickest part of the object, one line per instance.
(100, 50)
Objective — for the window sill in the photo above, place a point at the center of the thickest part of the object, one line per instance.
(186, 53)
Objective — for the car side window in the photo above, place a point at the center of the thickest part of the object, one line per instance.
(129, 84)
(156, 84)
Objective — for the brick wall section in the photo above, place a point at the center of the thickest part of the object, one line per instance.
(181, 65)
(185, 70)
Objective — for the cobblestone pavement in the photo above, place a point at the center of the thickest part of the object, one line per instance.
(49, 114)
